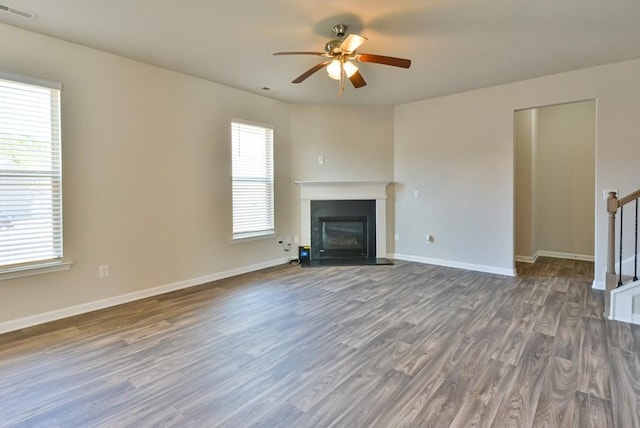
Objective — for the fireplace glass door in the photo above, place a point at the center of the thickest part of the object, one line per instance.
(343, 237)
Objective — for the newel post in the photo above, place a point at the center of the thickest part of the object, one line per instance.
(612, 209)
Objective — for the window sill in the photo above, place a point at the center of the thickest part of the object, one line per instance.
(36, 268)
(253, 237)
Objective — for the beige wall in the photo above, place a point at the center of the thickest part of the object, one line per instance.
(524, 139)
(458, 150)
(146, 172)
(356, 142)
(565, 177)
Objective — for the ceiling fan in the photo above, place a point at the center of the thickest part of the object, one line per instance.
(340, 52)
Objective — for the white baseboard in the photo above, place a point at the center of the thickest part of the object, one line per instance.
(571, 256)
(554, 254)
(455, 264)
(526, 259)
(70, 311)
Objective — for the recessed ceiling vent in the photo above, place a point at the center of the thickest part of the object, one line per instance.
(17, 12)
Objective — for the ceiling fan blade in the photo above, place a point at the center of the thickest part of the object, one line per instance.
(356, 80)
(309, 72)
(352, 42)
(299, 53)
(387, 60)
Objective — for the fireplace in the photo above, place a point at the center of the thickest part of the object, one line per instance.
(316, 192)
(343, 229)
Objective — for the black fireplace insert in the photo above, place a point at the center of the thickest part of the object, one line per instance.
(343, 229)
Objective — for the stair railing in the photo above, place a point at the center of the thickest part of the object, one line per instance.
(614, 280)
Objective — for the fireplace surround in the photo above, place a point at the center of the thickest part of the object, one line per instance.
(372, 191)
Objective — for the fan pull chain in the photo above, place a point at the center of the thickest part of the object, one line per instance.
(342, 78)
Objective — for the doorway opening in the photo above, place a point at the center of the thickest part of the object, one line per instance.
(554, 149)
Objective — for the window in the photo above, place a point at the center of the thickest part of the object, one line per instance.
(30, 172)
(252, 177)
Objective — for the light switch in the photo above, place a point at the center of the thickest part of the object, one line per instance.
(416, 194)
(321, 160)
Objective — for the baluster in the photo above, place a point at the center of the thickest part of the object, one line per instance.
(620, 267)
(635, 255)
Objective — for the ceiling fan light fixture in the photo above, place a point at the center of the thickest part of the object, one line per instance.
(334, 69)
(338, 55)
(349, 68)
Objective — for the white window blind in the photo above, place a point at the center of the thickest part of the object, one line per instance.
(30, 173)
(252, 180)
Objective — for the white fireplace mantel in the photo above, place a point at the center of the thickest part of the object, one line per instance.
(345, 190)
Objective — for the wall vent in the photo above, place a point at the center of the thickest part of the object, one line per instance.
(17, 12)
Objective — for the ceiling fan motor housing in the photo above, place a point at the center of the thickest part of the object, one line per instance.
(340, 30)
(333, 46)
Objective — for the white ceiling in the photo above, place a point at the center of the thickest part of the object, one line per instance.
(454, 45)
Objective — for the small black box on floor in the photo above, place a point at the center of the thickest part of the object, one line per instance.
(304, 255)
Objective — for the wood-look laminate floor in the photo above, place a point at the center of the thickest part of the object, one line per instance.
(372, 346)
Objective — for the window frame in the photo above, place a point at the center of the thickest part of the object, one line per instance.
(26, 267)
(269, 182)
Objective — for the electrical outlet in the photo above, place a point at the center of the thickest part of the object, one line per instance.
(103, 271)
(416, 194)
